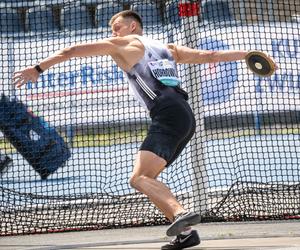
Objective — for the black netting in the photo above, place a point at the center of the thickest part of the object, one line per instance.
(72, 137)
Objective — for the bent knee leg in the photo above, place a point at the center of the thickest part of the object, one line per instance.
(136, 181)
(147, 166)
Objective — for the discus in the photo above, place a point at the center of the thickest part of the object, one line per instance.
(260, 63)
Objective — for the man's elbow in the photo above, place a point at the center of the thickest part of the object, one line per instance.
(201, 57)
(68, 52)
(213, 56)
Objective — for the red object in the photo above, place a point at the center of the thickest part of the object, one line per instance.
(188, 9)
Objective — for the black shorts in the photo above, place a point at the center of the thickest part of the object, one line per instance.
(172, 127)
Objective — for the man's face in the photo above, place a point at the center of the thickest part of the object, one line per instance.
(122, 26)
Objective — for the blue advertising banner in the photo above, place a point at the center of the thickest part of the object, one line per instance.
(95, 90)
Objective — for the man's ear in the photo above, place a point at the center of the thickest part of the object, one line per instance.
(133, 26)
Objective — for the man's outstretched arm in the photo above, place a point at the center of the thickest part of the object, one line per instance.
(100, 48)
(184, 54)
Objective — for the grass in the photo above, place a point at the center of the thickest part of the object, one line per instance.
(99, 140)
(226, 134)
(115, 138)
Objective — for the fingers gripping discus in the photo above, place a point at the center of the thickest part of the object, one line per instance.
(260, 63)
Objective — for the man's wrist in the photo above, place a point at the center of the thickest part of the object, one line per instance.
(38, 69)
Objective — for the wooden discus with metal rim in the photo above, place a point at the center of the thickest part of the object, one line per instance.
(260, 63)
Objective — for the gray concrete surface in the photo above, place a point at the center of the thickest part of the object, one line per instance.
(214, 236)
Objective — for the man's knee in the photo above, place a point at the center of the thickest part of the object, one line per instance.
(136, 181)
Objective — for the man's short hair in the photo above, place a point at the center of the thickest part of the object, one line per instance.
(127, 14)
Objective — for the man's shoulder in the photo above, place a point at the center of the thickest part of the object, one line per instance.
(123, 40)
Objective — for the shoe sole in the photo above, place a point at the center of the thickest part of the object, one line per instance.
(178, 226)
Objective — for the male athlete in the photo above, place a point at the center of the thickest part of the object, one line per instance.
(150, 67)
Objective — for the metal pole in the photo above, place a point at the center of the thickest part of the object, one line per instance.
(7, 65)
(189, 13)
(11, 67)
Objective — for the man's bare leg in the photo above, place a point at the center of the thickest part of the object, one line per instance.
(146, 169)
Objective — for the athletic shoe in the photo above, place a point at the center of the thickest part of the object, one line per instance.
(5, 163)
(182, 221)
(183, 241)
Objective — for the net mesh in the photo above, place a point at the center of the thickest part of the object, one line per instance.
(242, 163)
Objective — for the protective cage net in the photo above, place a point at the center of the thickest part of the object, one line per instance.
(68, 142)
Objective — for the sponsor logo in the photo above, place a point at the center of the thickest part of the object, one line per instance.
(184, 239)
(88, 76)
